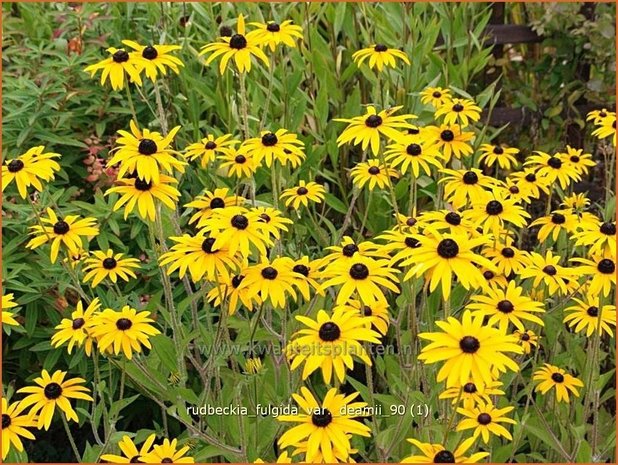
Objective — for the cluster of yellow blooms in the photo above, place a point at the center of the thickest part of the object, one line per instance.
(471, 238)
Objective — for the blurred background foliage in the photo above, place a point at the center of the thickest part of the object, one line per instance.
(49, 100)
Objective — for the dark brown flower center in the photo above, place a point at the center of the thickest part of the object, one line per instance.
(494, 207)
(359, 271)
(380, 48)
(469, 388)
(374, 170)
(508, 252)
(273, 27)
(530, 177)
(269, 139)
(373, 121)
(412, 242)
(302, 191)
(444, 456)
(557, 378)
(264, 217)
(525, 337)
(240, 222)
(15, 165)
(505, 306)
(488, 275)
(207, 244)
(593, 311)
(411, 221)
(123, 324)
(6, 421)
(413, 131)
(447, 135)
(166, 460)
(458, 107)
(448, 248)
(514, 190)
(78, 323)
(550, 270)
(135, 459)
(238, 41)
(142, 185)
(606, 266)
(217, 202)
(329, 332)
(469, 344)
(453, 218)
(608, 229)
(61, 227)
(558, 218)
(470, 178)
(109, 263)
(52, 391)
(574, 158)
(498, 150)
(269, 273)
(302, 269)
(436, 94)
(414, 149)
(120, 56)
(240, 159)
(150, 53)
(321, 417)
(210, 145)
(236, 280)
(484, 418)
(349, 250)
(147, 147)
(367, 311)
(555, 163)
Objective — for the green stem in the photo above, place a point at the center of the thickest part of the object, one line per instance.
(131, 105)
(70, 436)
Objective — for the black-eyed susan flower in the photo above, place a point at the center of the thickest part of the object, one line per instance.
(442, 255)
(493, 279)
(29, 169)
(459, 111)
(450, 140)
(514, 192)
(403, 244)
(76, 330)
(114, 68)
(309, 273)
(527, 339)
(69, 231)
(271, 280)
(553, 168)
(240, 47)
(599, 235)
(553, 224)
(274, 220)
(378, 56)
(138, 194)
(469, 394)
(545, 269)
(101, 265)
(375, 315)
(505, 256)
(253, 365)
(281, 145)
(230, 291)
(530, 182)
(485, 418)
(366, 129)
(8, 318)
(210, 201)
(361, 276)
(206, 150)
(51, 392)
(167, 452)
(588, 314)
(373, 173)
(551, 376)
(330, 342)
(302, 194)
(154, 59)
(349, 250)
(471, 350)
(145, 153)
(238, 164)
(450, 220)
(325, 426)
(462, 187)
(580, 161)
(410, 152)
(131, 454)
(437, 453)
(435, 96)
(14, 426)
(607, 128)
(495, 211)
(200, 257)
(499, 154)
(340, 454)
(504, 306)
(601, 271)
(126, 330)
(272, 34)
(237, 229)
(76, 257)
(597, 116)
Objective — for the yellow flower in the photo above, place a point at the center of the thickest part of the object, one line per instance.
(283, 146)
(486, 419)
(545, 269)
(154, 58)
(167, 453)
(527, 339)
(379, 55)
(435, 96)
(101, 265)
(253, 365)
(450, 140)
(375, 315)
(115, 67)
(531, 182)
(302, 194)
(559, 220)
(53, 391)
(272, 34)
(238, 164)
(366, 129)
(495, 211)
(14, 425)
(77, 329)
(414, 153)
(466, 186)
(274, 221)
(607, 127)
(599, 235)
(372, 173)
(7, 317)
(500, 154)
(554, 377)
(228, 289)
(208, 148)
(602, 270)
(271, 281)
(553, 168)
(130, 451)
(67, 231)
(240, 47)
(211, 201)
(437, 453)
(29, 168)
(581, 162)
(459, 111)
(469, 394)
(145, 152)
(590, 315)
